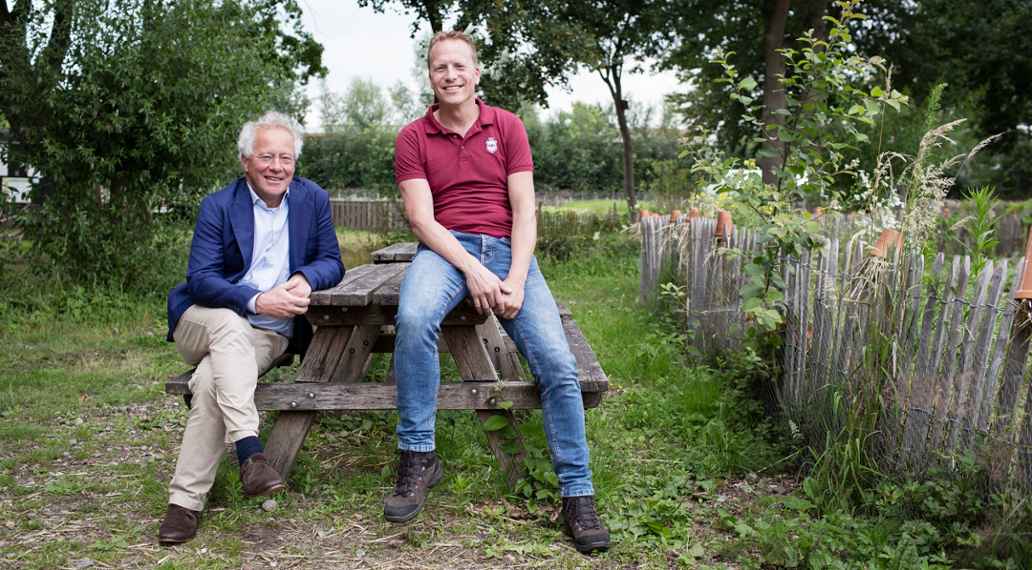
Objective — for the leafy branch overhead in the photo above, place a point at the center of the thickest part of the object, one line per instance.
(124, 98)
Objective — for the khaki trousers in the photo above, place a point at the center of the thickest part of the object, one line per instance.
(229, 354)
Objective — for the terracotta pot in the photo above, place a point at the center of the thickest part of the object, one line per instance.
(724, 225)
(1025, 288)
(887, 238)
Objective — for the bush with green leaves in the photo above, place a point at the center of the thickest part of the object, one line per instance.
(351, 159)
(144, 120)
(833, 95)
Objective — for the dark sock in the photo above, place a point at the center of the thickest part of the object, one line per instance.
(247, 447)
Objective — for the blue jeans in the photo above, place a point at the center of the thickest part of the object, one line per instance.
(432, 287)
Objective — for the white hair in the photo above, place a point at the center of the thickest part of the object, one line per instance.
(270, 120)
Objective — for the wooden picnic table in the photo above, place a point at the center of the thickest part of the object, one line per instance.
(355, 319)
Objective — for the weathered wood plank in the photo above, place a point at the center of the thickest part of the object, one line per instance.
(949, 340)
(505, 361)
(651, 256)
(921, 396)
(323, 353)
(327, 315)
(359, 292)
(803, 354)
(325, 296)
(1013, 372)
(964, 379)
(388, 294)
(372, 396)
(352, 366)
(986, 330)
(289, 432)
(475, 364)
(931, 292)
(1009, 311)
(395, 253)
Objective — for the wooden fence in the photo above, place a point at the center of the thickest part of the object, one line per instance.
(371, 215)
(939, 353)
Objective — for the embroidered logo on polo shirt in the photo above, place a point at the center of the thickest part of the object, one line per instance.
(491, 144)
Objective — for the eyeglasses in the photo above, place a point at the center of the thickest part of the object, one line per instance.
(267, 159)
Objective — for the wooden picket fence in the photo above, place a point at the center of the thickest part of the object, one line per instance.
(939, 353)
(371, 215)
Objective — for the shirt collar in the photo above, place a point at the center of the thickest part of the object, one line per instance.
(256, 200)
(432, 125)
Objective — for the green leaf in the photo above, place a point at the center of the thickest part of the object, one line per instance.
(797, 503)
(495, 423)
(504, 405)
(747, 84)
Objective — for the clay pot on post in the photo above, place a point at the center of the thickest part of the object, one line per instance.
(1024, 291)
(724, 225)
(887, 238)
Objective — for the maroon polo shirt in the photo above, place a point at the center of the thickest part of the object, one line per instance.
(468, 176)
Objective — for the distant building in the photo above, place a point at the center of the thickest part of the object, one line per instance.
(16, 177)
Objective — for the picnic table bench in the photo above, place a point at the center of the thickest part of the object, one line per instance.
(355, 319)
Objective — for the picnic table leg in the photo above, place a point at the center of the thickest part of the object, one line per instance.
(337, 353)
(501, 349)
(474, 362)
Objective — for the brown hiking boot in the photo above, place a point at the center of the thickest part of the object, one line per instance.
(583, 524)
(417, 472)
(179, 526)
(259, 478)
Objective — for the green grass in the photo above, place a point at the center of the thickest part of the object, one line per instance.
(599, 206)
(88, 443)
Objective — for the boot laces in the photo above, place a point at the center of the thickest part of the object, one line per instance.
(410, 473)
(584, 514)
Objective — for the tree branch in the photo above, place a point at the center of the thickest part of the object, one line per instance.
(60, 39)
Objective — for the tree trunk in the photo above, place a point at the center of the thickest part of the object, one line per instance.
(628, 155)
(434, 15)
(612, 78)
(775, 16)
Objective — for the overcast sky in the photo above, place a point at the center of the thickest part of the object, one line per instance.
(361, 43)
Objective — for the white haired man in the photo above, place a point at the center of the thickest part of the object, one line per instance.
(260, 246)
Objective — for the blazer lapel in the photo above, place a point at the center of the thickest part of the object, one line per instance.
(297, 218)
(241, 215)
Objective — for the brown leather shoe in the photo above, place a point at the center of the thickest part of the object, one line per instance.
(259, 478)
(179, 526)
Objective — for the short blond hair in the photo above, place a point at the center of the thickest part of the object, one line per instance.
(452, 35)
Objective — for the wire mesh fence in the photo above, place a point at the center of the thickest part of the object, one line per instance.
(935, 354)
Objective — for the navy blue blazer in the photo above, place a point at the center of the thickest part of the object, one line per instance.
(223, 239)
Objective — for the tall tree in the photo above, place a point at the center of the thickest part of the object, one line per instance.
(609, 38)
(754, 33)
(130, 106)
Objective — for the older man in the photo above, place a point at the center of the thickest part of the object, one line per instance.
(260, 246)
(466, 178)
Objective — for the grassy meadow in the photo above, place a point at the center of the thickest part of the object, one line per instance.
(88, 442)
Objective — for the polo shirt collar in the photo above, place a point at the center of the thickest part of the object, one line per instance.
(432, 125)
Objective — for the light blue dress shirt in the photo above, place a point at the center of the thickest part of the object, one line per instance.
(270, 259)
